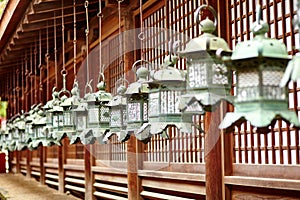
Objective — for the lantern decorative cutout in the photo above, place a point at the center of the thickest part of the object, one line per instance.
(10, 143)
(208, 79)
(292, 72)
(118, 120)
(259, 65)
(68, 105)
(7, 136)
(166, 86)
(137, 100)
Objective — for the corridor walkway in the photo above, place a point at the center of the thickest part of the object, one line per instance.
(18, 187)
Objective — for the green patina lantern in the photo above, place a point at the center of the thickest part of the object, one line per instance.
(41, 134)
(208, 78)
(21, 142)
(97, 114)
(80, 117)
(166, 87)
(18, 133)
(68, 105)
(118, 116)
(9, 142)
(259, 64)
(137, 100)
(29, 133)
(51, 120)
(292, 72)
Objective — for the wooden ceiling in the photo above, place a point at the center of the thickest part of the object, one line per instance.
(23, 20)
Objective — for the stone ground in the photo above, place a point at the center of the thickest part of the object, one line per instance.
(18, 187)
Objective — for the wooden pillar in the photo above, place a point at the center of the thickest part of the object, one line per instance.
(18, 165)
(28, 167)
(212, 147)
(42, 167)
(132, 170)
(88, 162)
(62, 150)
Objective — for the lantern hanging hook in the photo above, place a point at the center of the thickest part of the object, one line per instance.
(88, 86)
(134, 68)
(208, 7)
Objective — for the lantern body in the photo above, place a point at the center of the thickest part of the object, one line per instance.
(137, 105)
(208, 78)
(166, 87)
(80, 114)
(259, 65)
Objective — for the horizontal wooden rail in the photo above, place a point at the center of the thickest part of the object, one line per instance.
(111, 188)
(284, 184)
(54, 183)
(109, 196)
(155, 195)
(75, 188)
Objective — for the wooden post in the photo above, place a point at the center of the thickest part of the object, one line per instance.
(42, 167)
(88, 159)
(132, 175)
(28, 167)
(62, 150)
(212, 147)
(18, 165)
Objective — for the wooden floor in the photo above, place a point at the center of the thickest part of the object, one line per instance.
(18, 187)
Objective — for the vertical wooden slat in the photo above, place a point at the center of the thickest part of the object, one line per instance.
(280, 141)
(62, 152)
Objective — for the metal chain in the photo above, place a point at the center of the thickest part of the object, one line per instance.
(47, 55)
(141, 36)
(35, 73)
(64, 71)
(120, 38)
(87, 30)
(40, 65)
(75, 42)
(55, 51)
(100, 37)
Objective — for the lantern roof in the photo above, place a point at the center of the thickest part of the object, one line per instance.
(168, 73)
(119, 99)
(141, 85)
(74, 99)
(260, 46)
(205, 42)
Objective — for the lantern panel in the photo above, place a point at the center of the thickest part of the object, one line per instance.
(248, 85)
(134, 111)
(49, 117)
(124, 116)
(68, 118)
(197, 74)
(145, 111)
(81, 122)
(104, 114)
(270, 82)
(154, 104)
(93, 115)
(115, 120)
(219, 74)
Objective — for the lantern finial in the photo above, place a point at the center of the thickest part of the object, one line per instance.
(207, 26)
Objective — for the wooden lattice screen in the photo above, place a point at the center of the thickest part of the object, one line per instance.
(281, 145)
(175, 21)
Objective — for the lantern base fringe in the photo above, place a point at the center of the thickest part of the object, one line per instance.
(153, 128)
(122, 136)
(259, 118)
(207, 101)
